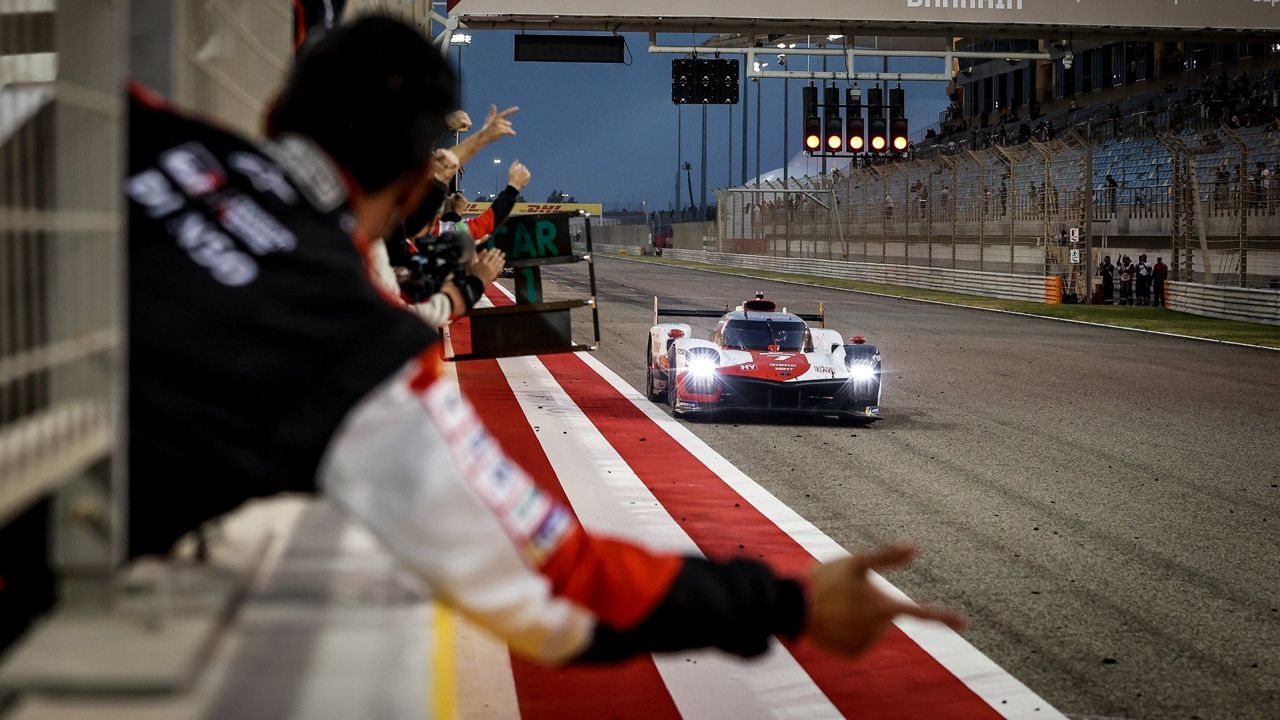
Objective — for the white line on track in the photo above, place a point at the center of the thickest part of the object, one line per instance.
(999, 689)
(1005, 693)
(610, 499)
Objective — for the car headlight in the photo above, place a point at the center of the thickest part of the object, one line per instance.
(701, 368)
(862, 372)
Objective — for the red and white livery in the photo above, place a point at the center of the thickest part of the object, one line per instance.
(759, 358)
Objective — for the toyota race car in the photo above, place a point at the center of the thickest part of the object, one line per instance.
(761, 359)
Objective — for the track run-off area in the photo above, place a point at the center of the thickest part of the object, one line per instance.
(1103, 505)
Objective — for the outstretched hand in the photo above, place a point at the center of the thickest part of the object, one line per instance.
(487, 265)
(445, 165)
(496, 124)
(458, 121)
(518, 175)
(849, 613)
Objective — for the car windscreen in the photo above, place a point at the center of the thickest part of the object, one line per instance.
(760, 334)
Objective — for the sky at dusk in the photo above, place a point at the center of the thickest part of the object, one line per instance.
(607, 133)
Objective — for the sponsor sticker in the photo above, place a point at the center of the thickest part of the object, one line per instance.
(254, 226)
(550, 533)
(209, 247)
(194, 168)
(152, 190)
(529, 512)
(530, 518)
(264, 176)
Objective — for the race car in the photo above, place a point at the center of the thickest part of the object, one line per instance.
(760, 359)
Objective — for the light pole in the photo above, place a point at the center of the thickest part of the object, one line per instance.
(786, 113)
(458, 40)
(759, 93)
(702, 189)
(680, 158)
(746, 89)
(496, 163)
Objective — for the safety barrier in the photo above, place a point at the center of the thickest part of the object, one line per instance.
(1222, 301)
(609, 249)
(1034, 288)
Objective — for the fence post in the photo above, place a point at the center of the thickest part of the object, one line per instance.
(929, 212)
(952, 200)
(982, 209)
(1089, 210)
(1265, 193)
(1006, 193)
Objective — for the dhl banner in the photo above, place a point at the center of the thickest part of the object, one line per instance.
(594, 209)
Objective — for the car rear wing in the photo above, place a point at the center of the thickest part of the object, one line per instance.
(684, 312)
(820, 317)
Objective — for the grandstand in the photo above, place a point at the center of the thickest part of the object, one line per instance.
(1067, 150)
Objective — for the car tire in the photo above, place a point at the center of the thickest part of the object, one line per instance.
(673, 390)
(649, 370)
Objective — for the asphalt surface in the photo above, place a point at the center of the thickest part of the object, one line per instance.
(1102, 504)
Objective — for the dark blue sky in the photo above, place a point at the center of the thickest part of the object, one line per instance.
(607, 133)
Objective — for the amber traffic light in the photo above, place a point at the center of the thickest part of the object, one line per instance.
(812, 123)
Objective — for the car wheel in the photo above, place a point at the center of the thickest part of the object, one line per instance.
(673, 390)
(649, 370)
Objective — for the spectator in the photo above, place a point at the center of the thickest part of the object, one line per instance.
(1112, 190)
(888, 208)
(1142, 274)
(1221, 183)
(1106, 271)
(1264, 186)
(1126, 281)
(1258, 181)
(1159, 274)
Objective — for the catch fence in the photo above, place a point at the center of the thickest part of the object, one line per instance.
(1198, 198)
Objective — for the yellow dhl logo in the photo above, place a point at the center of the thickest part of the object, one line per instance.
(594, 209)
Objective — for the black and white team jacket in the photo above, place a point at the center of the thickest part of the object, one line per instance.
(263, 360)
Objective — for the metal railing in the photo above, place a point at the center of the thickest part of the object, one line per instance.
(62, 267)
(62, 249)
(971, 282)
(1232, 303)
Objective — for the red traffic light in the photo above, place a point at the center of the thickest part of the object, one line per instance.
(877, 143)
(856, 143)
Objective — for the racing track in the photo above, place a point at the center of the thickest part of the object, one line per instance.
(1103, 504)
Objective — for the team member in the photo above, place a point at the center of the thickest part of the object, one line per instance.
(263, 360)
(484, 224)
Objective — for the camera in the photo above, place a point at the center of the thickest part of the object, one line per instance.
(437, 258)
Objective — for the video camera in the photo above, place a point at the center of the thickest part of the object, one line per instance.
(437, 259)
